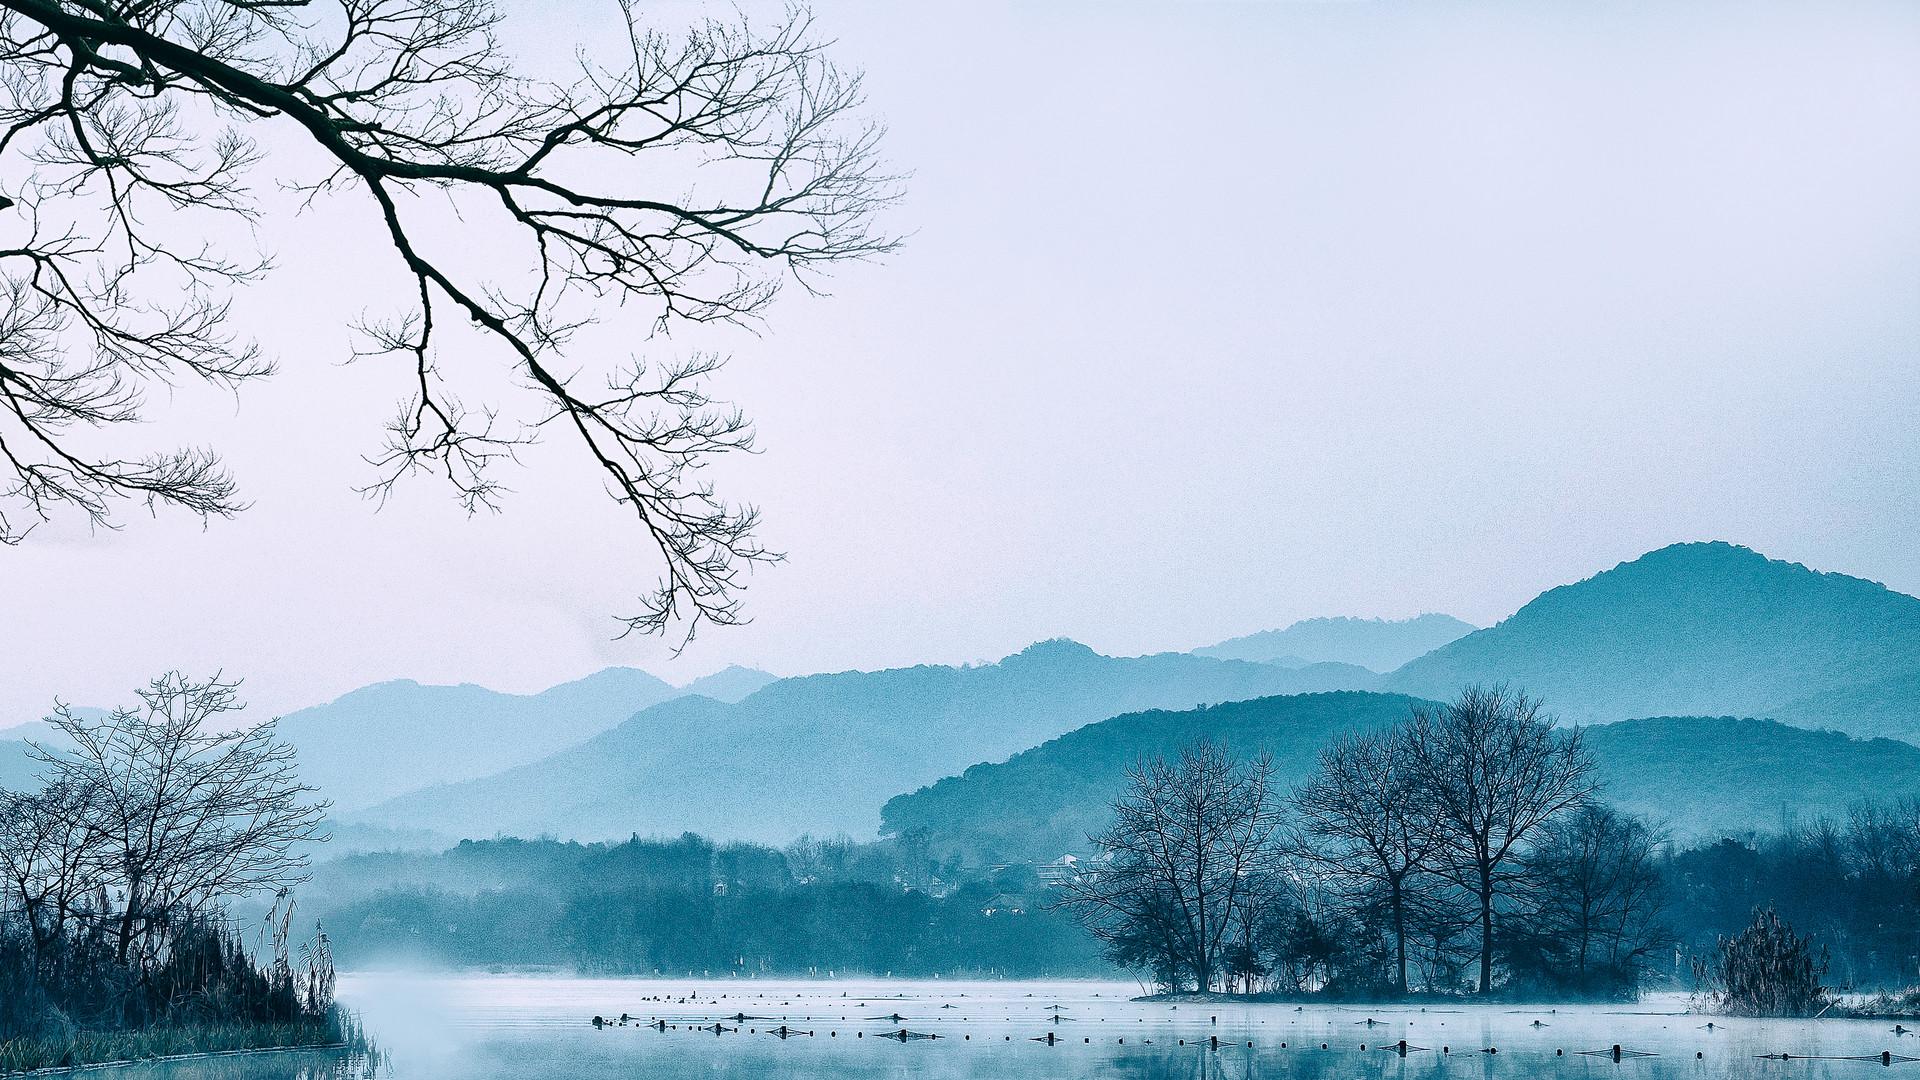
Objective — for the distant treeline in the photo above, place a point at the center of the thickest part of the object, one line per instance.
(1851, 884)
(669, 907)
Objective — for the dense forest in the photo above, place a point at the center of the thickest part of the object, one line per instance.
(670, 907)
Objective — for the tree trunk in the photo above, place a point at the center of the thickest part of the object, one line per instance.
(1486, 931)
(1400, 932)
(126, 920)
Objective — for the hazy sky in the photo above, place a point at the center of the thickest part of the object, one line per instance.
(1214, 316)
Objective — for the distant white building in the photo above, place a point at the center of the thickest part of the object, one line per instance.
(1058, 872)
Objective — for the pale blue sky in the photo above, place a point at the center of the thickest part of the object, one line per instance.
(1215, 316)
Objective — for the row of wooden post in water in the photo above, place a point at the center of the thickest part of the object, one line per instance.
(1403, 1048)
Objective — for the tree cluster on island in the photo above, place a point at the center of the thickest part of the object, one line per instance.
(1461, 851)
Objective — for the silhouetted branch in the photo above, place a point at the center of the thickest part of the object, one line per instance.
(130, 107)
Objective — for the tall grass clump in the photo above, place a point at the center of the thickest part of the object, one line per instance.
(1765, 970)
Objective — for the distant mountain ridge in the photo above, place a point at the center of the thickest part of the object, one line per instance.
(17, 767)
(389, 738)
(1700, 629)
(730, 683)
(1702, 776)
(381, 740)
(822, 753)
(1695, 631)
(1045, 801)
(1705, 629)
(1376, 644)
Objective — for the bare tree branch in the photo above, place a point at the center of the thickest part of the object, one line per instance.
(131, 110)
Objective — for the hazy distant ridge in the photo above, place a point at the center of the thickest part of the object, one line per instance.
(1377, 644)
(822, 753)
(390, 738)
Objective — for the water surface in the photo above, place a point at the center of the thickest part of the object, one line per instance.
(529, 1028)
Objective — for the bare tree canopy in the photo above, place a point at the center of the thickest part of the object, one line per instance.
(1496, 772)
(133, 119)
(115, 875)
(1594, 898)
(159, 808)
(1186, 859)
(1367, 824)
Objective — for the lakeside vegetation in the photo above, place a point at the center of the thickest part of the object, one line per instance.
(642, 907)
(1460, 849)
(118, 872)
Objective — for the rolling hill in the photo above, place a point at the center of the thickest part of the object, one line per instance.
(1885, 708)
(379, 741)
(1696, 629)
(18, 771)
(730, 684)
(1702, 776)
(1376, 644)
(1047, 800)
(822, 753)
(1711, 776)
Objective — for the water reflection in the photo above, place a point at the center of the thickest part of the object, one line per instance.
(531, 1029)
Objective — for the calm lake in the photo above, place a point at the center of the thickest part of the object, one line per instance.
(528, 1028)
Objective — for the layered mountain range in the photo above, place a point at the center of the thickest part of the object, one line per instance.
(1688, 655)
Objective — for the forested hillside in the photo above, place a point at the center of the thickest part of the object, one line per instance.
(1702, 777)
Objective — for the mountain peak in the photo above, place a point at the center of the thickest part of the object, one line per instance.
(610, 679)
(1689, 629)
(730, 683)
(1706, 554)
(1058, 650)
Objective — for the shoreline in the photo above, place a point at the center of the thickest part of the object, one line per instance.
(83, 1050)
(122, 1063)
(1843, 1007)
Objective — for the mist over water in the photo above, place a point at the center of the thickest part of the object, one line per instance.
(530, 1028)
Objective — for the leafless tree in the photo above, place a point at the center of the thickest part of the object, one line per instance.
(1595, 897)
(683, 178)
(179, 815)
(1883, 840)
(1367, 826)
(1190, 842)
(45, 859)
(1495, 771)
